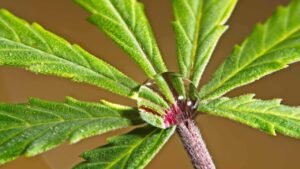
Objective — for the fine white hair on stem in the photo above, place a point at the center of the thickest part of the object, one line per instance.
(194, 144)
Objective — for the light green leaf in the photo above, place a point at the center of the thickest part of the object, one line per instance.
(270, 47)
(132, 150)
(37, 50)
(198, 26)
(38, 126)
(267, 115)
(125, 22)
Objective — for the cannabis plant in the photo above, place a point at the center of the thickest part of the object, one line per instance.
(166, 102)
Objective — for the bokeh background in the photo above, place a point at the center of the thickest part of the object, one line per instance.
(233, 146)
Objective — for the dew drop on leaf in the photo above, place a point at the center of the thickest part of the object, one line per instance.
(157, 108)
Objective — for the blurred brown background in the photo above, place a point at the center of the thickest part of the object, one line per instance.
(233, 146)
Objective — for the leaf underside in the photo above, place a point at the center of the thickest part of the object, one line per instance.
(125, 22)
(38, 126)
(37, 50)
(198, 26)
(132, 150)
(267, 115)
(271, 47)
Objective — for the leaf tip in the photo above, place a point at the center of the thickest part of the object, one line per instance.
(70, 99)
(37, 26)
(74, 139)
(31, 153)
(273, 131)
(248, 96)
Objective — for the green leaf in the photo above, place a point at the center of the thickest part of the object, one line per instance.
(125, 22)
(132, 150)
(37, 50)
(198, 26)
(267, 115)
(270, 47)
(38, 126)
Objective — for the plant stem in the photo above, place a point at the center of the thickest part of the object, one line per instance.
(194, 144)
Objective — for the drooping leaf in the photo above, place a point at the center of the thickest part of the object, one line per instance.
(38, 126)
(198, 26)
(270, 47)
(267, 115)
(132, 150)
(125, 22)
(37, 50)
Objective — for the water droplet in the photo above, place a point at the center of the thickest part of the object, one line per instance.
(168, 99)
(148, 83)
(180, 97)
(189, 103)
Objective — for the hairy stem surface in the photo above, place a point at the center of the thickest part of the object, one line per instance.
(194, 145)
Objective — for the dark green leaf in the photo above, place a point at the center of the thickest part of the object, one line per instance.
(37, 50)
(198, 25)
(270, 47)
(38, 126)
(125, 22)
(267, 115)
(132, 150)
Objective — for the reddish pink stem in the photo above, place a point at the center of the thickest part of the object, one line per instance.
(194, 145)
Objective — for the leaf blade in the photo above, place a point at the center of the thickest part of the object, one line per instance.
(198, 26)
(41, 125)
(266, 115)
(37, 50)
(126, 23)
(138, 147)
(272, 46)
